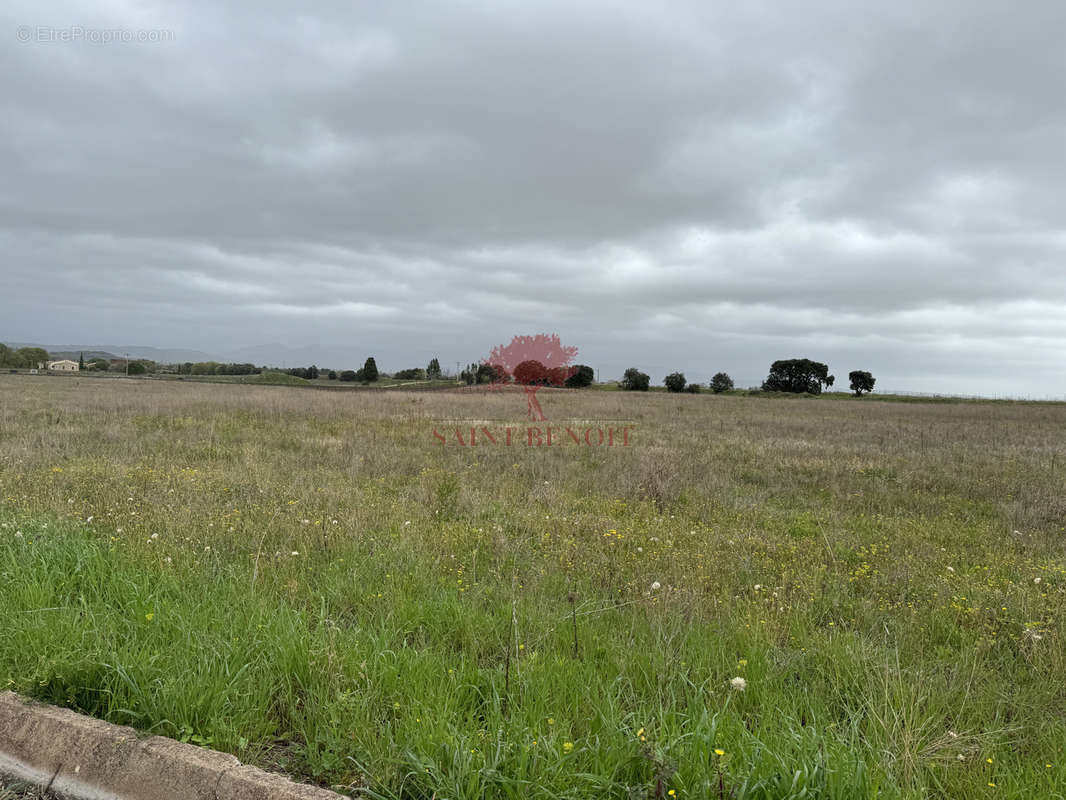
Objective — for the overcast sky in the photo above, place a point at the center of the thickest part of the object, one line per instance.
(694, 186)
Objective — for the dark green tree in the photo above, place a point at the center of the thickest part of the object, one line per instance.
(332, 375)
(721, 382)
(797, 375)
(137, 368)
(81, 361)
(582, 376)
(349, 376)
(675, 382)
(486, 373)
(861, 382)
(370, 370)
(433, 370)
(693, 388)
(635, 381)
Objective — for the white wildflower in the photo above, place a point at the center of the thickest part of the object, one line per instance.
(739, 684)
(656, 586)
(295, 553)
(1036, 579)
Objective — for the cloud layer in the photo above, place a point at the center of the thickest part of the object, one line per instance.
(703, 186)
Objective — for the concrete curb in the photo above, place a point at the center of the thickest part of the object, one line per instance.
(88, 759)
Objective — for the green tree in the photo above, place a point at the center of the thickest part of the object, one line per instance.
(635, 381)
(137, 368)
(332, 375)
(693, 388)
(675, 382)
(861, 382)
(370, 370)
(433, 370)
(348, 376)
(98, 364)
(30, 357)
(797, 375)
(531, 373)
(81, 361)
(721, 382)
(486, 373)
(581, 377)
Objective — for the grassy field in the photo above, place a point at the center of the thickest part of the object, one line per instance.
(311, 581)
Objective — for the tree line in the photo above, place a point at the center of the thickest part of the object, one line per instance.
(791, 375)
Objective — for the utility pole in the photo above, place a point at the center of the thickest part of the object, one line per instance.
(127, 365)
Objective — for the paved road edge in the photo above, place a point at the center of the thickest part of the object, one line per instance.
(88, 759)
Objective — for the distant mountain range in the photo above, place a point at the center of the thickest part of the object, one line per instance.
(72, 351)
(272, 355)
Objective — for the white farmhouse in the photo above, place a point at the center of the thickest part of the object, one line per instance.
(65, 365)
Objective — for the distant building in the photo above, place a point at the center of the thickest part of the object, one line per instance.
(66, 365)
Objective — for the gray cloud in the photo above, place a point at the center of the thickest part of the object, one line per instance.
(708, 186)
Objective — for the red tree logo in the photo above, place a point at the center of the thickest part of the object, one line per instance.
(532, 362)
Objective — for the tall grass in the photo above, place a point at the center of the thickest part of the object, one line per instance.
(308, 580)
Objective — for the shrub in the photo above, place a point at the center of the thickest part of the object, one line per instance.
(693, 388)
(348, 375)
